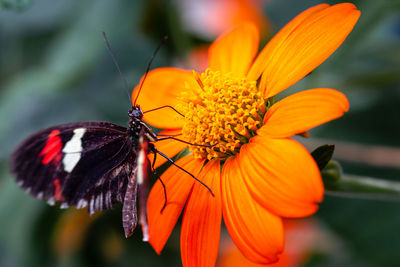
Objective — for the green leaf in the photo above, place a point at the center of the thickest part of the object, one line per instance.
(322, 155)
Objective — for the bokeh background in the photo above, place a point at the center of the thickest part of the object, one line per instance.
(54, 68)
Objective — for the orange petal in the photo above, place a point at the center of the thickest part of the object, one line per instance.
(178, 186)
(162, 87)
(260, 63)
(201, 224)
(168, 147)
(225, 14)
(255, 231)
(282, 176)
(302, 111)
(300, 241)
(230, 256)
(251, 11)
(304, 45)
(234, 51)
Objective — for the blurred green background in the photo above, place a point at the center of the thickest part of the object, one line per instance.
(54, 68)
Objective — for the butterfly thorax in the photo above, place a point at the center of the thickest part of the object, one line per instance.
(136, 126)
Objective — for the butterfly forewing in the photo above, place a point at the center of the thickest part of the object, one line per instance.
(80, 164)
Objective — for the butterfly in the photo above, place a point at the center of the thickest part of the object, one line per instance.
(92, 164)
(95, 164)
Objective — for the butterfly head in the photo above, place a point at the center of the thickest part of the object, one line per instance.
(135, 113)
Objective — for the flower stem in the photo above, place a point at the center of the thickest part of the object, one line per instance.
(364, 187)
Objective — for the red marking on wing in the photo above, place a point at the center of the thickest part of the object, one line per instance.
(52, 149)
(144, 147)
(57, 190)
(144, 188)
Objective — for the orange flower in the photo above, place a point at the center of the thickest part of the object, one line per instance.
(301, 240)
(258, 174)
(212, 17)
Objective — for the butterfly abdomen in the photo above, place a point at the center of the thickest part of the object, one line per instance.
(129, 210)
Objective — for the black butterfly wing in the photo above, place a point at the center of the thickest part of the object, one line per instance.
(111, 188)
(84, 163)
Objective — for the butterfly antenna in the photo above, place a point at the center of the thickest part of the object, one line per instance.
(116, 64)
(148, 66)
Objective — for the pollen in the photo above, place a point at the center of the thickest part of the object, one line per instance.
(222, 113)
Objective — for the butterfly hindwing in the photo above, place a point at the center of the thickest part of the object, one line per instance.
(137, 191)
(111, 188)
(75, 164)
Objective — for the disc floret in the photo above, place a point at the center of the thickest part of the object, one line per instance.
(222, 111)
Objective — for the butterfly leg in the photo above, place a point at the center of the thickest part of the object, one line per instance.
(182, 169)
(166, 106)
(162, 183)
(182, 141)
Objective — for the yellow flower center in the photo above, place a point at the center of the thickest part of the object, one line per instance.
(223, 112)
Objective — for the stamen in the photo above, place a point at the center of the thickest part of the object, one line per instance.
(223, 110)
(198, 79)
